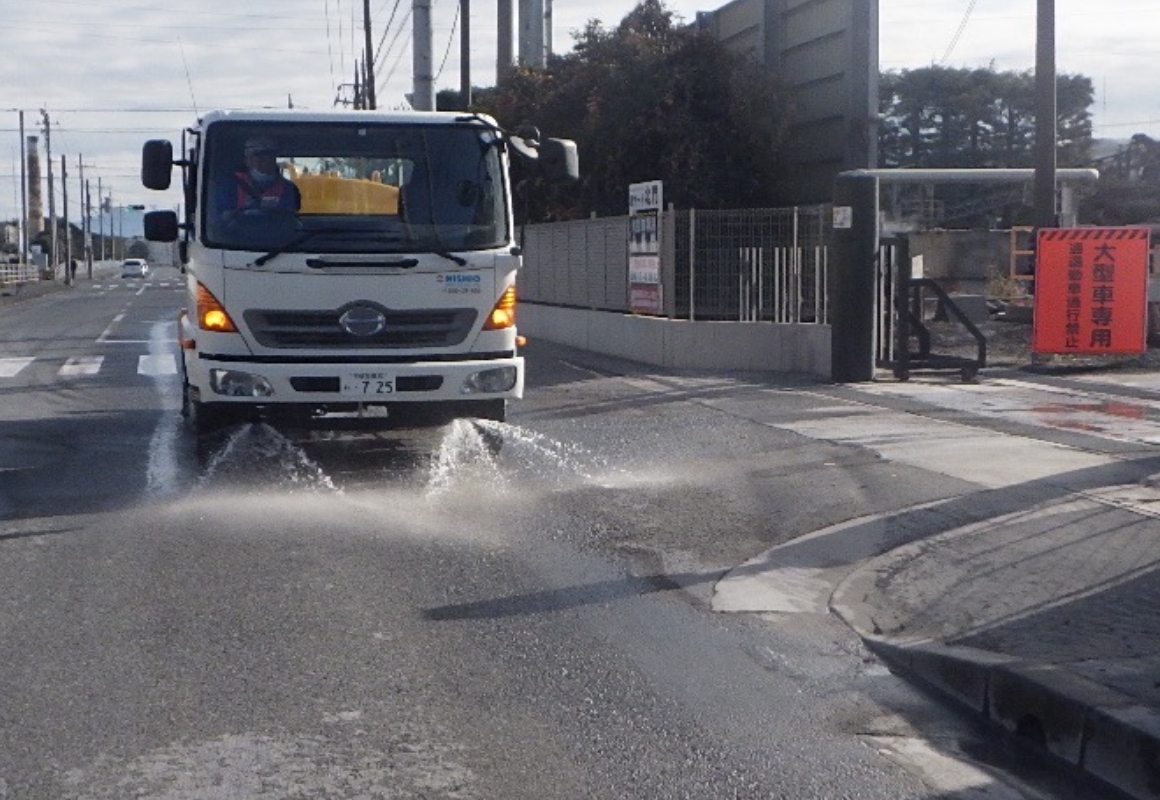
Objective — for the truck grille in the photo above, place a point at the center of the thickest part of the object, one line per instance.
(302, 329)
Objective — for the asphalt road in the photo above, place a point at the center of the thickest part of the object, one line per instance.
(354, 615)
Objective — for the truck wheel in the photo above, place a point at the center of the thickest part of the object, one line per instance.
(209, 419)
(494, 410)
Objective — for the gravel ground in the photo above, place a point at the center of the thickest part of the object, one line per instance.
(1009, 345)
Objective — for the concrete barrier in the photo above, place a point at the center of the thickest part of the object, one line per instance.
(680, 344)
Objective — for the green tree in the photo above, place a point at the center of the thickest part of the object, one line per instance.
(956, 117)
(1128, 191)
(652, 100)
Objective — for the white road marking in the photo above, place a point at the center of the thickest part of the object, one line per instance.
(105, 333)
(9, 367)
(81, 365)
(157, 364)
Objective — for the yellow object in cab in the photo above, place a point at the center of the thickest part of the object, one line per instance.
(331, 194)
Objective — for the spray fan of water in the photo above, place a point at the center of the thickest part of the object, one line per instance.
(475, 453)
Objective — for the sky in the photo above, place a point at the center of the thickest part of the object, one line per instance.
(112, 73)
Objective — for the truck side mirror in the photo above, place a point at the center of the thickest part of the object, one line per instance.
(161, 226)
(559, 161)
(156, 164)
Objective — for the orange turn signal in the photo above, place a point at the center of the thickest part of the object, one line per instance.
(503, 315)
(211, 314)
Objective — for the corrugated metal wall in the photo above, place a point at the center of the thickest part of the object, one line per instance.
(581, 264)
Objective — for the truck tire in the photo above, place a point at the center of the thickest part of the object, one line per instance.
(494, 410)
(210, 420)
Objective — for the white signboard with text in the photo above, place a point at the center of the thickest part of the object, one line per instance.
(645, 201)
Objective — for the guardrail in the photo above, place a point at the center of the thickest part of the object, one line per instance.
(18, 273)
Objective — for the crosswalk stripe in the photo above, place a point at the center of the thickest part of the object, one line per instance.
(81, 365)
(151, 365)
(9, 367)
(157, 364)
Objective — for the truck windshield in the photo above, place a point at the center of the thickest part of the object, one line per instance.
(364, 188)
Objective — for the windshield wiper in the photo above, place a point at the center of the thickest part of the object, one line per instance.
(301, 238)
(460, 260)
(338, 261)
(305, 236)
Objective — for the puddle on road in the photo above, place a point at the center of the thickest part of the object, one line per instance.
(1098, 417)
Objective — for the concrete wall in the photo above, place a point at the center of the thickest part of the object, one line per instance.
(679, 344)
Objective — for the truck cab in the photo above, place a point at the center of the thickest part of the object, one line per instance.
(345, 261)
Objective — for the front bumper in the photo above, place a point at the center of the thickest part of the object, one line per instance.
(273, 383)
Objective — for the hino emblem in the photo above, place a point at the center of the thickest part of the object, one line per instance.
(362, 321)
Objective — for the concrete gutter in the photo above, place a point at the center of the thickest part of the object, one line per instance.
(1101, 732)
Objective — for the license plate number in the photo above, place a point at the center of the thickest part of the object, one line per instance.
(368, 384)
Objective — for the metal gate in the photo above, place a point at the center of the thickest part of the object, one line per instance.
(902, 340)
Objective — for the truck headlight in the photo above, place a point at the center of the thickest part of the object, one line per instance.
(490, 381)
(239, 384)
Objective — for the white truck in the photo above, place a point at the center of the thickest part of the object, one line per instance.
(380, 273)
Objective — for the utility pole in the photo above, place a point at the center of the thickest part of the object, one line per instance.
(101, 217)
(67, 232)
(52, 247)
(369, 56)
(423, 98)
(23, 196)
(86, 223)
(465, 54)
(1045, 113)
(89, 229)
(503, 52)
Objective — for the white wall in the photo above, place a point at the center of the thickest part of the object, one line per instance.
(680, 344)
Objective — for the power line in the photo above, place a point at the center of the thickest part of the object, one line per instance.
(450, 40)
(402, 51)
(379, 50)
(959, 32)
(329, 46)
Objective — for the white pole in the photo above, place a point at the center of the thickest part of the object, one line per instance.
(423, 98)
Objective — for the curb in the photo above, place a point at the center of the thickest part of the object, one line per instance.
(1099, 731)
(1083, 725)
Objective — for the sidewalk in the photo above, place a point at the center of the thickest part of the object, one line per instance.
(1046, 621)
(16, 292)
(1033, 601)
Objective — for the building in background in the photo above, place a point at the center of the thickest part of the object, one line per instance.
(827, 51)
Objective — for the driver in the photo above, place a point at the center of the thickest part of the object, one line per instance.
(260, 188)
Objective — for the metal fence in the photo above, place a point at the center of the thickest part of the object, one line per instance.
(18, 273)
(750, 265)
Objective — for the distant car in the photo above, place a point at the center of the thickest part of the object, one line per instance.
(134, 268)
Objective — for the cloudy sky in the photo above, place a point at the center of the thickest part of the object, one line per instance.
(112, 73)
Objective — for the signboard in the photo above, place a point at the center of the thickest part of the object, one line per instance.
(1091, 289)
(644, 247)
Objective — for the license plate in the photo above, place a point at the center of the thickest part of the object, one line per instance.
(368, 384)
